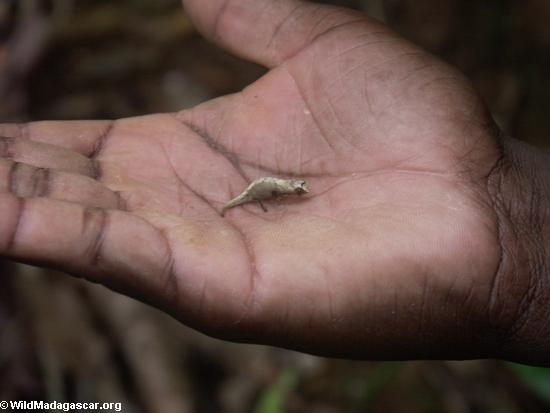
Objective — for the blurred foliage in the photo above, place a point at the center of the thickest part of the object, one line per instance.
(372, 386)
(65, 339)
(274, 397)
(535, 378)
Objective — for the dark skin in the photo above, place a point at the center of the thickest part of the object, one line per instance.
(404, 247)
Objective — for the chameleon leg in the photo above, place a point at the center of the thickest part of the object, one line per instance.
(262, 205)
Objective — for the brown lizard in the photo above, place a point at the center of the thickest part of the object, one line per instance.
(267, 188)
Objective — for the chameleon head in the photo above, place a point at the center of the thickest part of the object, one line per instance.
(299, 186)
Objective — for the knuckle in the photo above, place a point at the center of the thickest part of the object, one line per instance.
(28, 181)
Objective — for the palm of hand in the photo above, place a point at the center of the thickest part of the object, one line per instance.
(394, 235)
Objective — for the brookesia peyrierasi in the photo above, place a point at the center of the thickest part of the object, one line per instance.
(268, 188)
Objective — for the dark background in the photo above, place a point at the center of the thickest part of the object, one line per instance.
(66, 340)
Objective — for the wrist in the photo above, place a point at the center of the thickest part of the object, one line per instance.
(519, 186)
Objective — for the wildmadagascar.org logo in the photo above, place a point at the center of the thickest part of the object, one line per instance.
(27, 405)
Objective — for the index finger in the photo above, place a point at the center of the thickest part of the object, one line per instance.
(82, 136)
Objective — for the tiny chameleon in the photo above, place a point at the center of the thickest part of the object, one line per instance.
(267, 188)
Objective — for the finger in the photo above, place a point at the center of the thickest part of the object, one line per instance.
(28, 181)
(265, 31)
(44, 155)
(114, 248)
(83, 137)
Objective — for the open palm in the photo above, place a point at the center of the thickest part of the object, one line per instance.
(392, 254)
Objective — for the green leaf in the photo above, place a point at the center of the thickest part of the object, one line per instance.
(273, 398)
(376, 383)
(535, 378)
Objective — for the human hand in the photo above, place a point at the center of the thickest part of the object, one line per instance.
(395, 253)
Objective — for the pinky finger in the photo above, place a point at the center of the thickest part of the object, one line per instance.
(114, 248)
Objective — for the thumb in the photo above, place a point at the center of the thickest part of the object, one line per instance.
(266, 31)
